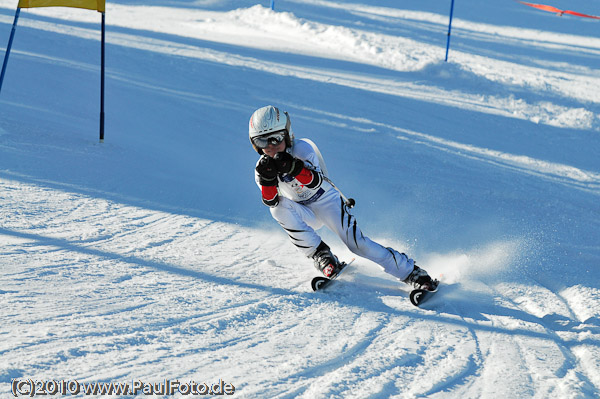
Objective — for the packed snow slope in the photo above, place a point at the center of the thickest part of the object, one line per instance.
(150, 257)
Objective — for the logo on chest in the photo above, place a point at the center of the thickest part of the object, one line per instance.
(299, 188)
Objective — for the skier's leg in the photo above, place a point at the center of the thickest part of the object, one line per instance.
(336, 216)
(300, 223)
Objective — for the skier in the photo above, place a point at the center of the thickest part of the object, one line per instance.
(292, 177)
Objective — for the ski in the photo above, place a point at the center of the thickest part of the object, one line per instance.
(320, 282)
(419, 295)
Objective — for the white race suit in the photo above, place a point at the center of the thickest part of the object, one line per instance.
(304, 204)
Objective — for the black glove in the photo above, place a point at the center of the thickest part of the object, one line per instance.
(267, 171)
(287, 164)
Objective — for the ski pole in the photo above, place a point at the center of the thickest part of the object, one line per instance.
(348, 201)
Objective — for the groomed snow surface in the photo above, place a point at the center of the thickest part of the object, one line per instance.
(150, 257)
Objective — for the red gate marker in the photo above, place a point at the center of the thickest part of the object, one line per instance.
(558, 11)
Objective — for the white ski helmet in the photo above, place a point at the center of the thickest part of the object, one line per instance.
(268, 120)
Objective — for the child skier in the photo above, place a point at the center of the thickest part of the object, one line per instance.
(292, 178)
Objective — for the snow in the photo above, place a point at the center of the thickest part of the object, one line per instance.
(150, 257)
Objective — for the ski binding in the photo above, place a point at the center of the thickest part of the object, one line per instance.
(320, 282)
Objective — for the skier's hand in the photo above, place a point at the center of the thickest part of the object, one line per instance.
(287, 164)
(267, 171)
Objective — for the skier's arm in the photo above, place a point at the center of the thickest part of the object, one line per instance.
(267, 180)
(270, 195)
(294, 167)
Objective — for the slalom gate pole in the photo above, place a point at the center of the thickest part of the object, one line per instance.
(449, 30)
(272, 4)
(102, 84)
(8, 47)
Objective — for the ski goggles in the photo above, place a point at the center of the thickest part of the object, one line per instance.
(272, 139)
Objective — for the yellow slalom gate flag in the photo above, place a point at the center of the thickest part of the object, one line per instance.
(98, 5)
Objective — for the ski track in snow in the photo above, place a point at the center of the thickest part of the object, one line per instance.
(139, 295)
(103, 287)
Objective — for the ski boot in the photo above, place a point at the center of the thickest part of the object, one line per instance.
(419, 279)
(326, 262)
